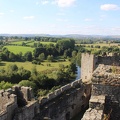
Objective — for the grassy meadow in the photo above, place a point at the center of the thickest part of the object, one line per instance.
(18, 49)
(30, 43)
(29, 66)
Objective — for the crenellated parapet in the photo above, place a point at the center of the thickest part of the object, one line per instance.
(12, 99)
(66, 101)
(8, 103)
(61, 90)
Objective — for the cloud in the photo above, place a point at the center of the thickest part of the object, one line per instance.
(28, 17)
(45, 2)
(108, 7)
(88, 19)
(65, 3)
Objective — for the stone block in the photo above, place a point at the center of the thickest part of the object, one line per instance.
(51, 96)
(58, 92)
(74, 84)
(66, 87)
(43, 100)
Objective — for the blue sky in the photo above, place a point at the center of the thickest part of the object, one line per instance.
(89, 17)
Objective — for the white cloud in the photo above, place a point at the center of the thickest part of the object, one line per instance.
(65, 3)
(45, 2)
(28, 17)
(108, 7)
(88, 19)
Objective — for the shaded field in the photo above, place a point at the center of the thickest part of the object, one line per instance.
(29, 66)
(18, 49)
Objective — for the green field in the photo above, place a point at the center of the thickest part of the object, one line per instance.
(101, 44)
(28, 65)
(18, 49)
(31, 43)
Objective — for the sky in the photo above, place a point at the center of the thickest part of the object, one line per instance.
(60, 17)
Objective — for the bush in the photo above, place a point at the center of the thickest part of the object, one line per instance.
(5, 85)
(28, 83)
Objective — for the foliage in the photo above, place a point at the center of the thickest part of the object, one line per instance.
(5, 85)
(28, 56)
(28, 83)
(50, 58)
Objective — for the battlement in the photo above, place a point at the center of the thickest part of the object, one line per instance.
(60, 91)
(11, 98)
(8, 102)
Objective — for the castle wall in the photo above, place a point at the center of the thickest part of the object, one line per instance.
(107, 90)
(96, 107)
(8, 103)
(109, 60)
(66, 103)
(27, 112)
(88, 62)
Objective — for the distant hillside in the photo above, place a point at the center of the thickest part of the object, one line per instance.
(75, 36)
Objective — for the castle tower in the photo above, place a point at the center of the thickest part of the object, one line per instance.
(87, 66)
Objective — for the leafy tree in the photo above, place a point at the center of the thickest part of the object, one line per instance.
(12, 56)
(12, 67)
(74, 54)
(28, 83)
(42, 57)
(28, 56)
(50, 58)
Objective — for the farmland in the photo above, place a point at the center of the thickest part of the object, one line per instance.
(18, 49)
(29, 66)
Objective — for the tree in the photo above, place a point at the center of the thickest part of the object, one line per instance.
(74, 53)
(65, 44)
(42, 57)
(50, 58)
(28, 56)
(12, 56)
(12, 67)
(28, 83)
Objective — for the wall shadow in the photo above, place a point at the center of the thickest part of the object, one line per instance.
(80, 115)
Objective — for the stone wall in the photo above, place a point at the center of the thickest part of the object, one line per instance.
(66, 102)
(27, 112)
(109, 60)
(8, 103)
(106, 82)
(96, 107)
(87, 66)
(63, 104)
(90, 62)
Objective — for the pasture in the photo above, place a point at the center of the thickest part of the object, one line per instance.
(18, 49)
(30, 42)
(45, 66)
